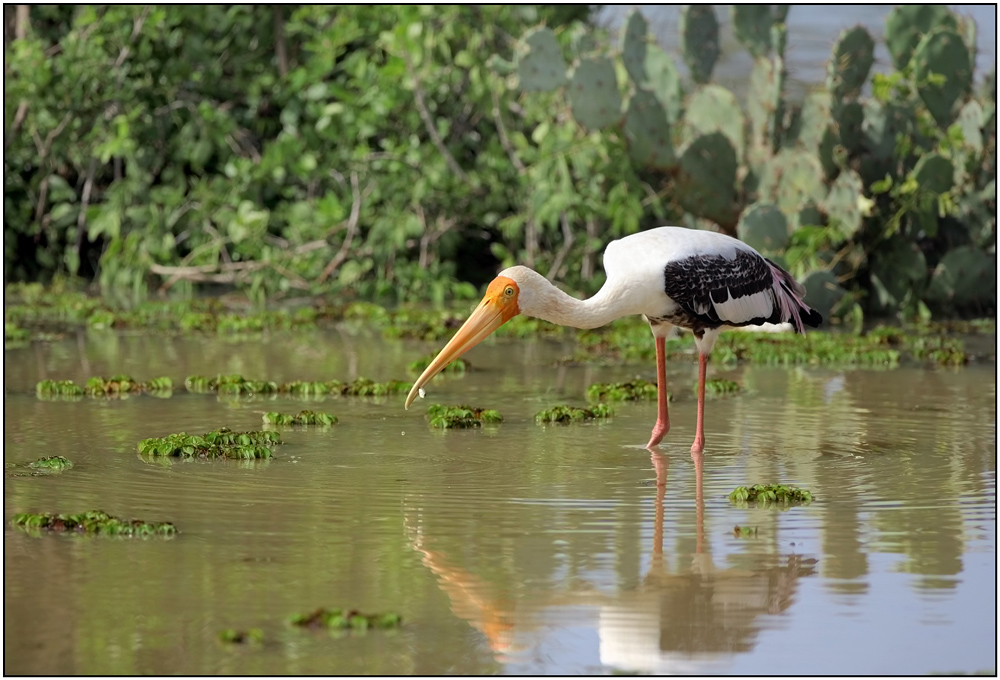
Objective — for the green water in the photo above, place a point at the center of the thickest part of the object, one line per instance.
(515, 549)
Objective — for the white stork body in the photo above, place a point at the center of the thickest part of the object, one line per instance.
(698, 280)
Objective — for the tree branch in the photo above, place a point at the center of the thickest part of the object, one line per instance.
(568, 239)
(425, 115)
(279, 41)
(504, 141)
(81, 219)
(352, 228)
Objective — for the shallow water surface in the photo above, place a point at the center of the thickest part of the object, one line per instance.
(517, 549)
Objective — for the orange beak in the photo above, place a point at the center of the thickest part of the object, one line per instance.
(498, 307)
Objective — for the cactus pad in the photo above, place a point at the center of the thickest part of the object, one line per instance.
(792, 180)
(712, 108)
(634, 40)
(699, 31)
(934, 173)
(593, 93)
(822, 292)
(540, 64)
(764, 101)
(849, 118)
(882, 124)
(752, 26)
(707, 181)
(964, 275)
(649, 67)
(848, 69)
(943, 53)
(899, 268)
(907, 24)
(648, 131)
(764, 227)
(842, 204)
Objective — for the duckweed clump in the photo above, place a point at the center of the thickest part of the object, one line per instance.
(570, 414)
(457, 417)
(719, 387)
(95, 522)
(240, 637)
(238, 385)
(340, 619)
(303, 418)
(104, 387)
(634, 390)
(51, 464)
(770, 493)
(58, 388)
(221, 443)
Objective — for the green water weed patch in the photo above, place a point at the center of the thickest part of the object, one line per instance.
(459, 417)
(570, 414)
(221, 443)
(765, 494)
(346, 619)
(633, 390)
(95, 522)
(302, 418)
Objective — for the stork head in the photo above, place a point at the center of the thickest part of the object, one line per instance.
(498, 306)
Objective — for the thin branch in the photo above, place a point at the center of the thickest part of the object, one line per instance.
(22, 112)
(504, 140)
(352, 228)
(568, 239)
(136, 29)
(81, 219)
(425, 115)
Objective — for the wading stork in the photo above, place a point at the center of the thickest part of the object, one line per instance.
(699, 280)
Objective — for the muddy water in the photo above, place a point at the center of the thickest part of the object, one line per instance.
(521, 549)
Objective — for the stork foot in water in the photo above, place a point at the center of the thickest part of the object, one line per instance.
(662, 417)
(695, 279)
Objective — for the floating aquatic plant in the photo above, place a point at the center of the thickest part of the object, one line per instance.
(51, 464)
(96, 522)
(770, 493)
(63, 388)
(744, 532)
(346, 619)
(239, 637)
(454, 417)
(221, 443)
(303, 418)
(719, 387)
(571, 414)
(100, 387)
(634, 390)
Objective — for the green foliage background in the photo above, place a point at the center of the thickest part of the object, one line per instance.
(388, 154)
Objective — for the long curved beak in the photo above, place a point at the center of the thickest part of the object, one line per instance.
(486, 318)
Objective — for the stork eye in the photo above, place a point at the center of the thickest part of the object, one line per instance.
(509, 291)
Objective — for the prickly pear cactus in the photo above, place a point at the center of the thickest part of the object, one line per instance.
(792, 180)
(582, 40)
(767, 82)
(712, 108)
(898, 269)
(934, 173)
(849, 118)
(634, 40)
(906, 25)
(649, 67)
(540, 64)
(752, 26)
(844, 203)
(970, 119)
(816, 132)
(822, 292)
(965, 275)
(764, 227)
(852, 60)
(647, 131)
(593, 93)
(942, 53)
(881, 126)
(707, 181)
(699, 31)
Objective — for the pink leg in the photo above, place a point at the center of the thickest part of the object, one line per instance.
(699, 435)
(662, 418)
